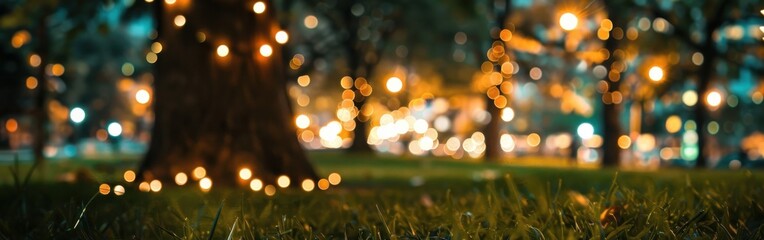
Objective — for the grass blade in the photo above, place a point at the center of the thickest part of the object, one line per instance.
(215, 222)
(230, 235)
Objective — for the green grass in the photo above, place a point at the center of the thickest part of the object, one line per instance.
(376, 200)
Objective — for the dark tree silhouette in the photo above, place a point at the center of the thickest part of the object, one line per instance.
(221, 111)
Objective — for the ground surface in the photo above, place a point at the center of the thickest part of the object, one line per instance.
(397, 198)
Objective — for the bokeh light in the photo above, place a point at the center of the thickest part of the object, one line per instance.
(568, 21)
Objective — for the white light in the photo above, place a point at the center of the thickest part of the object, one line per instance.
(394, 84)
(568, 21)
(714, 99)
(507, 114)
(282, 37)
(283, 181)
(77, 115)
(655, 73)
(180, 20)
(222, 50)
(585, 131)
(302, 121)
(142, 96)
(114, 129)
(259, 7)
(266, 50)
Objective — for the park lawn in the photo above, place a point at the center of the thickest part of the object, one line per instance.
(387, 197)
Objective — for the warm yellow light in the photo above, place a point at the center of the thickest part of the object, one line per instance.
(308, 185)
(303, 80)
(57, 69)
(199, 172)
(256, 185)
(266, 50)
(31, 83)
(568, 21)
(259, 7)
(181, 179)
(20, 38)
(156, 47)
(142, 96)
(155, 185)
(11, 125)
(302, 121)
(119, 190)
(169, 2)
(179, 20)
(104, 189)
(282, 37)
(205, 184)
(270, 190)
(144, 187)
(245, 173)
(34, 60)
(129, 176)
(151, 57)
(283, 181)
(323, 184)
(655, 73)
(394, 84)
(311, 21)
(335, 178)
(690, 98)
(533, 140)
(222, 50)
(673, 124)
(714, 98)
(624, 142)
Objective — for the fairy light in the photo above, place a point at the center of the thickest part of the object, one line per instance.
(256, 185)
(179, 20)
(282, 37)
(119, 190)
(222, 50)
(308, 185)
(129, 176)
(266, 50)
(205, 184)
(199, 172)
(155, 185)
(258, 7)
(283, 181)
(104, 189)
(568, 21)
(245, 173)
(181, 179)
(335, 178)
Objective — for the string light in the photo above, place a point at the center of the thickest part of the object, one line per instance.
(222, 50)
(568, 21)
(266, 50)
(282, 37)
(180, 20)
(655, 73)
(181, 179)
(259, 7)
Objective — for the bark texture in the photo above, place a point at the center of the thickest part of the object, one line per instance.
(222, 113)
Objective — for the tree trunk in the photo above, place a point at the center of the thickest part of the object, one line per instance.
(699, 110)
(221, 113)
(611, 112)
(41, 99)
(491, 131)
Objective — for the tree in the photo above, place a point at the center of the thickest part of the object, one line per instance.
(704, 34)
(220, 95)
